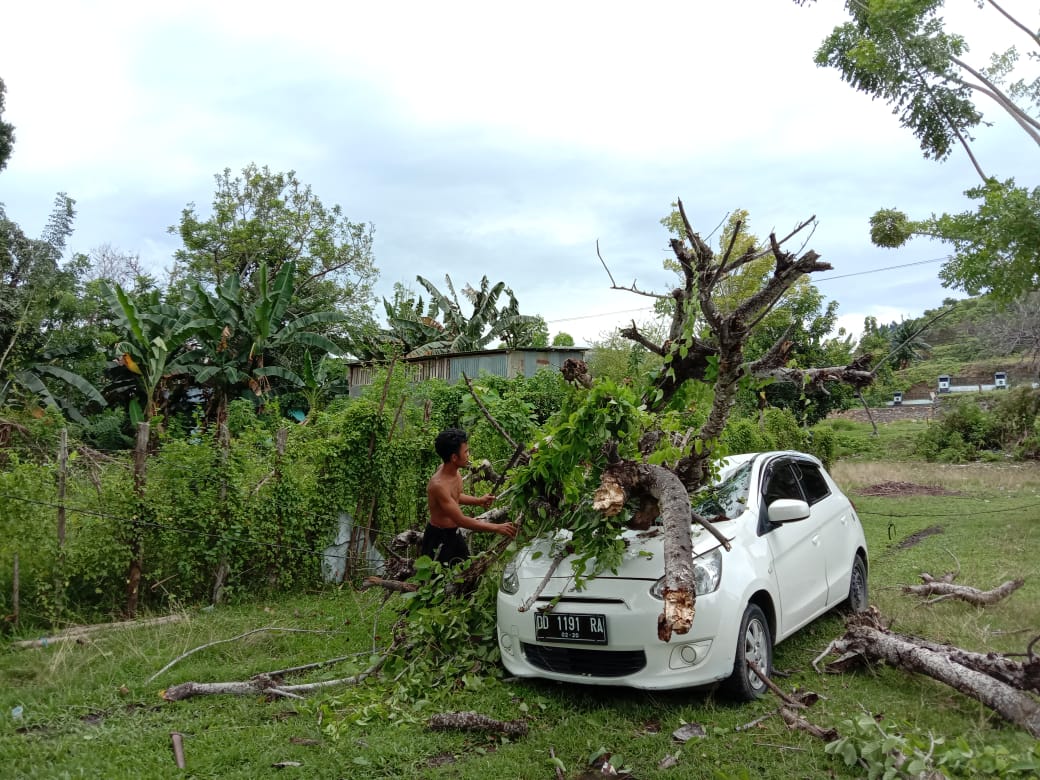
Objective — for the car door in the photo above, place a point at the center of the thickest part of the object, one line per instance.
(796, 549)
(834, 513)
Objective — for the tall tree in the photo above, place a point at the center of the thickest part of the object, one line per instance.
(901, 51)
(40, 302)
(267, 219)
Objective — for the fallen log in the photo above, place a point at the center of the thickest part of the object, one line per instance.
(474, 721)
(943, 590)
(79, 632)
(876, 644)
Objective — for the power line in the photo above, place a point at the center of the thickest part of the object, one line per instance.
(814, 280)
(879, 270)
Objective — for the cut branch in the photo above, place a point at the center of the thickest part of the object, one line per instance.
(948, 590)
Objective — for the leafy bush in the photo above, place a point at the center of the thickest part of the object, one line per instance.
(963, 430)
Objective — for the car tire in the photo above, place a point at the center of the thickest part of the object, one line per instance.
(858, 599)
(754, 643)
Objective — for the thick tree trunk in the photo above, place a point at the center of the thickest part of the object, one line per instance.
(624, 478)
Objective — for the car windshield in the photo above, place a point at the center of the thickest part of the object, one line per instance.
(727, 499)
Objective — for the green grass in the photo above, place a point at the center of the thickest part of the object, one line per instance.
(87, 709)
(856, 440)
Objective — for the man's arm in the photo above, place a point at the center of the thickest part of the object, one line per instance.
(448, 509)
(484, 501)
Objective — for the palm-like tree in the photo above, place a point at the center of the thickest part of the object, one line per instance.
(457, 332)
(244, 342)
(905, 345)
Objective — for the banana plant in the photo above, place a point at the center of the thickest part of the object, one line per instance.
(30, 381)
(152, 347)
(247, 341)
(487, 323)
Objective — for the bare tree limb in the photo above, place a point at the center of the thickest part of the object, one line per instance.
(946, 590)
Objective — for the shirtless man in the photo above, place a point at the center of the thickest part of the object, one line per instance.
(444, 496)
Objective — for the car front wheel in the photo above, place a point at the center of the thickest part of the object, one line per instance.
(858, 600)
(754, 643)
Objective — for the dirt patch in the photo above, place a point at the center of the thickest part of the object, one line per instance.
(913, 539)
(901, 489)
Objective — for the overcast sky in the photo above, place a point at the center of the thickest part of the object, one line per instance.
(487, 138)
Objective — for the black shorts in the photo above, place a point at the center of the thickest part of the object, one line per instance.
(444, 544)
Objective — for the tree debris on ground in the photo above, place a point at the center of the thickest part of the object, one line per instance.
(942, 589)
(1004, 685)
(474, 721)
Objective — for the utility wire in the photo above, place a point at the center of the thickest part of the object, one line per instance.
(814, 281)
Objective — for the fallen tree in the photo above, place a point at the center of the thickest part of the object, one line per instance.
(612, 441)
(1000, 683)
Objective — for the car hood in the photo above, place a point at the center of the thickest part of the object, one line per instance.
(643, 558)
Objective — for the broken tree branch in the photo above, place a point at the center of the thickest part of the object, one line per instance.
(194, 650)
(265, 685)
(866, 638)
(948, 590)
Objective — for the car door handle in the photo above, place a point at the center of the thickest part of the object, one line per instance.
(816, 540)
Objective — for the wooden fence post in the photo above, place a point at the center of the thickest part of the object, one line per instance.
(59, 569)
(133, 577)
(15, 584)
(274, 569)
(223, 567)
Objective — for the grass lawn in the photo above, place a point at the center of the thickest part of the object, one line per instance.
(88, 709)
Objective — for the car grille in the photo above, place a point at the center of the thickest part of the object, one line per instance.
(577, 660)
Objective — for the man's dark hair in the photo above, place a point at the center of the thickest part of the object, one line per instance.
(449, 442)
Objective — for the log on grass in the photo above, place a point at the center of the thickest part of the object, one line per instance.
(1014, 705)
(947, 590)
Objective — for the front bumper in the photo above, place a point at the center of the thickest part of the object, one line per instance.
(633, 655)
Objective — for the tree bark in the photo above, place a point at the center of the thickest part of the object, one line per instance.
(474, 721)
(873, 643)
(948, 590)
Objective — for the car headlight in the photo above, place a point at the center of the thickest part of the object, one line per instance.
(707, 573)
(510, 582)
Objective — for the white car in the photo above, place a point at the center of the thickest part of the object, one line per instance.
(798, 550)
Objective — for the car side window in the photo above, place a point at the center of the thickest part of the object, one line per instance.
(781, 482)
(814, 486)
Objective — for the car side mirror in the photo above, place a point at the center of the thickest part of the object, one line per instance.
(787, 510)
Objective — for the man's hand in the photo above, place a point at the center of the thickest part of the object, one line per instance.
(486, 501)
(506, 529)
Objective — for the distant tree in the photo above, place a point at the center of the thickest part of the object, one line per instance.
(530, 332)
(905, 343)
(562, 339)
(267, 219)
(6, 132)
(901, 52)
(40, 308)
